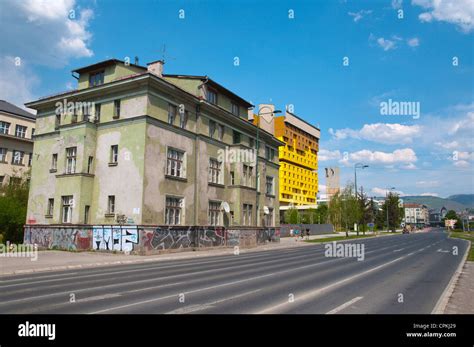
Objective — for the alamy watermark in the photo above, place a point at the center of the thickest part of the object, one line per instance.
(400, 108)
(19, 251)
(237, 155)
(345, 250)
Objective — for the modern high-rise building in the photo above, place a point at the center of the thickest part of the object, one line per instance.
(17, 127)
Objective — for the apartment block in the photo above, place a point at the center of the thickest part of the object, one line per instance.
(17, 127)
(134, 146)
(416, 214)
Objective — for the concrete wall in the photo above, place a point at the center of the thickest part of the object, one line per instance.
(145, 239)
(314, 229)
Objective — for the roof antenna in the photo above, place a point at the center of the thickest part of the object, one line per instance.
(163, 52)
(136, 60)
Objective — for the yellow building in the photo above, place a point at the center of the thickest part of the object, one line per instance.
(298, 160)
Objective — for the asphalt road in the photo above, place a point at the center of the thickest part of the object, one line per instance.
(399, 274)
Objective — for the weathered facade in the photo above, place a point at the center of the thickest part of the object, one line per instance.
(134, 146)
(17, 127)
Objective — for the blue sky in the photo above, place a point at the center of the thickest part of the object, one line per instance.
(297, 61)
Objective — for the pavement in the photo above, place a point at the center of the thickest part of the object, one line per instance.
(399, 274)
(461, 301)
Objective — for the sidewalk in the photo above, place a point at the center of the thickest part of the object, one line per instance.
(462, 298)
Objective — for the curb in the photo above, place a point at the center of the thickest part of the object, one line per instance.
(440, 306)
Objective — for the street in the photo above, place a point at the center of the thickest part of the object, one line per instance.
(399, 274)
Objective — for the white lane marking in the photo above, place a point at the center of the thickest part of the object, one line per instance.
(200, 307)
(314, 293)
(398, 250)
(345, 305)
(442, 251)
(98, 297)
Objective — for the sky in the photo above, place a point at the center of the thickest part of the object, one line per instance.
(335, 63)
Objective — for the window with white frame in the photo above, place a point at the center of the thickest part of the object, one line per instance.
(71, 154)
(17, 157)
(215, 168)
(114, 154)
(111, 204)
(50, 210)
(215, 213)
(235, 109)
(4, 128)
(269, 218)
(173, 210)
(183, 119)
(220, 132)
(20, 131)
(247, 215)
(269, 185)
(175, 165)
(3, 155)
(247, 175)
(54, 162)
(211, 96)
(67, 206)
(172, 110)
(117, 107)
(212, 128)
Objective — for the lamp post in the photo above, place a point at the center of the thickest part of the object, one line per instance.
(257, 147)
(389, 189)
(357, 166)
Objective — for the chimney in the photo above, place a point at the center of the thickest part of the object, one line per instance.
(156, 67)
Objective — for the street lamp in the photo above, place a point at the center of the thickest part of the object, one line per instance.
(389, 189)
(257, 146)
(358, 166)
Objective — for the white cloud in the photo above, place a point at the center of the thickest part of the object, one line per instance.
(396, 4)
(44, 32)
(325, 155)
(458, 12)
(413, 42)
(428, 184)
(461, 163)
(429, 194)
(359, 15)
(388, 133)
(405, 156)
(17, 82)
(386, 44)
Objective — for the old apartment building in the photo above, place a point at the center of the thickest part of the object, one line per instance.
(17, 128)
(135, 146)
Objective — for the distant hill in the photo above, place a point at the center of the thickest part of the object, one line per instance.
(434, 202)
(465, 199)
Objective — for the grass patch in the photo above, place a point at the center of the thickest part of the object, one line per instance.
(465, 236)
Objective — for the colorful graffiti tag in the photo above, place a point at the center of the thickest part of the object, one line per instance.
(114, 238)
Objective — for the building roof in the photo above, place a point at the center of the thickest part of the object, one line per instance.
(301, 124)
(104, 63)
(10, 108)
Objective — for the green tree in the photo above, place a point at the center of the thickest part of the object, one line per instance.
(13, 204)
(395, 211)
(292, 216)
(451, 214)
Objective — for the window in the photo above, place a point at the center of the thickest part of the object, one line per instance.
(90, 162)
(269, 153)
(4, 128)
(236, 137)
(232, 178)
(86, 214)
(20, 131)
(32, 132)
(57, 120)
(269, 186)
(2, 179)
(116, 109)
(17, 158)
(67, 206)
(251, 142)
(3, 155)
(247, 176)
(54, 162)
(212, 96)
(247, 215)
(175, 163)
(74, 115)
(111, 204)
(97, 111)
(96, 79)
(30, 159)
(235, 109)
(212, 128)
(220, 132)
(85, 112)
(173, 210)
(71, 160)
(50, 210)
(183, 119)
(215, 213)
(171, 113)
(214, 171)
(114, 154)
(269, 218)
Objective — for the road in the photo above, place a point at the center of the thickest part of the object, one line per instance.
(399, 274)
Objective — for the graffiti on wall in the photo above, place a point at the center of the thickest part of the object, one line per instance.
(170, 238)
(59, 238)
(211, 237)
(114, 238)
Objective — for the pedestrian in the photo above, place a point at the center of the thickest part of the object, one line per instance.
(292, 233)
(307, 234)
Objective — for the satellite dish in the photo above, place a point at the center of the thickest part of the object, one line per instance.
(225, 206)
(266, 210)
